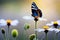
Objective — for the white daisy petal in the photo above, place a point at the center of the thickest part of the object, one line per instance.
(28, 18)
(3, 22)
(49, 24)
(56, 30)
(42, 19)
(51, 29)
(58, 22)
(52, 22)
(39, 30)
(14, 22)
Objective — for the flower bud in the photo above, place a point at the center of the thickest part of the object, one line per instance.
(3, 31)
(14, 33)
(31, 37)
(26, 26)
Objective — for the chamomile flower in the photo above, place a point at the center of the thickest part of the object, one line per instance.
(54, 23)
(8, 22)
(46, 29)
(55, 29)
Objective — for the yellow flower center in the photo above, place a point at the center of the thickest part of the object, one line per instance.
(45, 27)
(55, 22)
(8, 21)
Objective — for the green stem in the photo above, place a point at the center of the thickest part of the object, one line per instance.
(25, 35)
(53, 37)
(56, 36)
(14, 38)
(4, 36)
(8, 33)
(36, 28)
(46, 37)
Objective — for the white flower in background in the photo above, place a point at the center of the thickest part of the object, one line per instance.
(54, 23)
(46, 29)
(8, 22)
(55, 29)
(32, 18)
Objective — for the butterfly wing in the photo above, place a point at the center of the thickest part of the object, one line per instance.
(39, 13)
(34, 6)
(34, 9)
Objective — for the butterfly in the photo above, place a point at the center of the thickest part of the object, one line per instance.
(36, 13)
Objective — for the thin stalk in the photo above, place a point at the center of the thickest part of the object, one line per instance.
(4, 36)
(56, 36)
(25, 35)
(14, 38)
(46, 37)
(53, 37)
(8, 33)
(36, 28)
